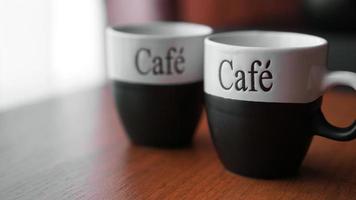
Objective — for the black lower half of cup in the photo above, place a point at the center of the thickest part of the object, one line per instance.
(159, 115)
(261, 140)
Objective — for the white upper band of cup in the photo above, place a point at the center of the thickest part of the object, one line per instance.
(265, 66)
(159, 53)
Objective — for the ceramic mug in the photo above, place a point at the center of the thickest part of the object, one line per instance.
(263, 92)
(157, 74)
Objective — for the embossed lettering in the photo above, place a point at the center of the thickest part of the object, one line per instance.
(172, 63)
(260, 76)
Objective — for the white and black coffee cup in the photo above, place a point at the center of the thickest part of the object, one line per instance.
(263, 92)
(157, 74)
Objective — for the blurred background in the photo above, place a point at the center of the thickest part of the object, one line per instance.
(54, 47)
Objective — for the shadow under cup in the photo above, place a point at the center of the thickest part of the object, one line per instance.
(263, 94)
(156, 71)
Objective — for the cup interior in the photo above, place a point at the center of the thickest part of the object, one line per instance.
(267, 39)
(164, 29)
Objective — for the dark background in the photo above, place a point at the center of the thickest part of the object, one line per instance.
(334, 20)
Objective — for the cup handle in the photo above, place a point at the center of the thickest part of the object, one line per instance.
(323, 127)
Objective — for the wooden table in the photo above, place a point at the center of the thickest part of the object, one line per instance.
(74, 147)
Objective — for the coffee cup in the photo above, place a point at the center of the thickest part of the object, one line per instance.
(157, 79)
(263, 92)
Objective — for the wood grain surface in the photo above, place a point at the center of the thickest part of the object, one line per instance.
(74, 147)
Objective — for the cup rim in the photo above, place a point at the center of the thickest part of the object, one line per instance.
(160, 29)
(312, 40)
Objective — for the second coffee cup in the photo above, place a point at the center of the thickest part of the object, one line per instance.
(263, 92)
(157, 75)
